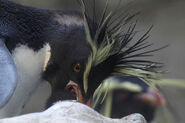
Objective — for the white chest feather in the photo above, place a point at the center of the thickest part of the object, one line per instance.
(30, 65)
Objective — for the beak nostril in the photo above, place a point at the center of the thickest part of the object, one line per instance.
(70, 89)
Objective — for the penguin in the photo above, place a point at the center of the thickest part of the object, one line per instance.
(129, 95)
(109, 53)
(75, 52)
(26, 36)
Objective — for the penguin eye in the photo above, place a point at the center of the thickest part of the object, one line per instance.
(77, 68)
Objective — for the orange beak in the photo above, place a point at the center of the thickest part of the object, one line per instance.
(153, 97)
(74, 88)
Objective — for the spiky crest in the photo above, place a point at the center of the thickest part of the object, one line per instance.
(109, 42)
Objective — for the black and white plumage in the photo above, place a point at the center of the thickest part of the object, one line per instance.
(82, 50)
(29, 34)
(109, 52)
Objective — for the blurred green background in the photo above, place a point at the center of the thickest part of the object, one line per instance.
(168, 19)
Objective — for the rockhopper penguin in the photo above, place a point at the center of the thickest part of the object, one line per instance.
(128, 95)
(74, 52)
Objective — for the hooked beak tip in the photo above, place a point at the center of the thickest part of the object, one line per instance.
(74, 88)
(153, 97)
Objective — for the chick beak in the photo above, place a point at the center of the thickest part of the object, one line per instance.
(74, 88)
(153, 97)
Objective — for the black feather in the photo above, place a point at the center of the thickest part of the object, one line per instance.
(125, 53)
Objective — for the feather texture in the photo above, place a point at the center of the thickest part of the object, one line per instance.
(112, 45)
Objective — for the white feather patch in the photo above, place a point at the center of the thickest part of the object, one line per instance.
(30, 65)
(68, 20)
(47, 56)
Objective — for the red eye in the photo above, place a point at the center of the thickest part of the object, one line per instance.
(77, 68)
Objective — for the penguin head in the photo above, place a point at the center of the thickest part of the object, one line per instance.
(69, 54)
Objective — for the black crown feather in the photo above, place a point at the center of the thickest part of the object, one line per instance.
(111, 40)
